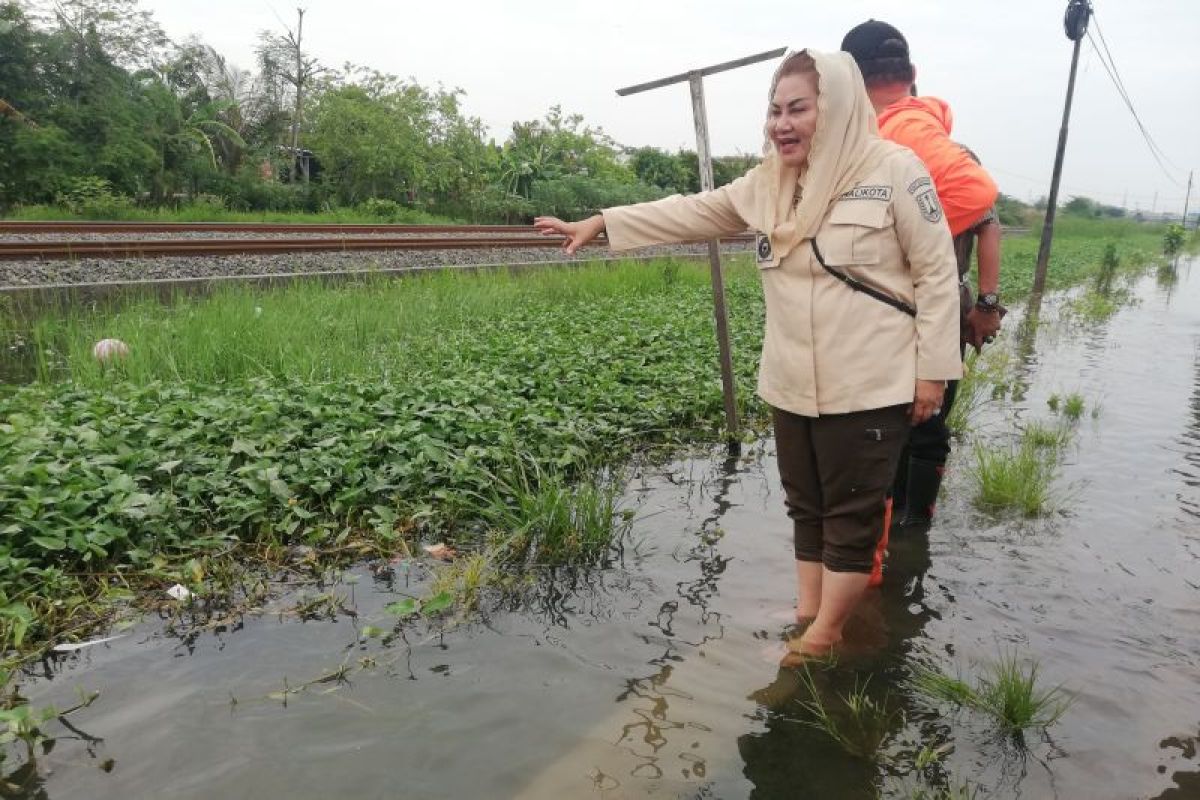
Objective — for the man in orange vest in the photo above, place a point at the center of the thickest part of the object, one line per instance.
(967, 195)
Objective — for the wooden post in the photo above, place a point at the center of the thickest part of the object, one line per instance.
(695, 81)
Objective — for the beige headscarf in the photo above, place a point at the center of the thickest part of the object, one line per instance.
(846, 147)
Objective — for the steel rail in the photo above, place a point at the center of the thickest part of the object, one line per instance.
(77, 226)
(156, 248)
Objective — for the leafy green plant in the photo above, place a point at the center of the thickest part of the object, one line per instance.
(24, 726)
(1173, 239)
(389, 412)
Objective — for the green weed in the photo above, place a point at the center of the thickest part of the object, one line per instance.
(859, 723)
(216, 212)
(1013, 477)
(1073, 407)
(1008, 692)
(1044, 436)
(390, 412)
(27, 727)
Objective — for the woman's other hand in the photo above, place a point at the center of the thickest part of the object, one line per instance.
(927, 400)
(576, 234)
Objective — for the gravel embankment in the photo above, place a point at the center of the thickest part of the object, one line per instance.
(32, 274)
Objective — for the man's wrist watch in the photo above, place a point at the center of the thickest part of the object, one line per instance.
(989, 301)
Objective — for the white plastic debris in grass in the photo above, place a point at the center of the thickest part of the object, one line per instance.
(106, 350)
(72, 647)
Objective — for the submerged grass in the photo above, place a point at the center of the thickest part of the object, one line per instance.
(857, 721)
(1008, 692)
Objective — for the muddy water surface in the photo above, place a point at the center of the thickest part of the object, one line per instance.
(653, 677)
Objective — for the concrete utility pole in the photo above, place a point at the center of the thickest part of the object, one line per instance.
(299, 96)
(1075, 24)
(695, 80)
(1187, 198)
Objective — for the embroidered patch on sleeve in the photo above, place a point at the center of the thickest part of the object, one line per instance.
(762, 248)
(927, 200)
(881, 193)
(917, 184)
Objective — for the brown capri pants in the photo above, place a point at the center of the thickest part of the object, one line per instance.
(836, 471)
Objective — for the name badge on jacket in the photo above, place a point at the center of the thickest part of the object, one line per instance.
(762, 248)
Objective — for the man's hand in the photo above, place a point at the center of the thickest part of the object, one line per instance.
(927, 400)
(982, 326)
(577, 233)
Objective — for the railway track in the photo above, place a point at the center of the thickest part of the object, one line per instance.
(339, 238)
(77, 226)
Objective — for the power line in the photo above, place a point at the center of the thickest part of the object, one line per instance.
(1125, 92)
(1078, 190)
(1110, 66)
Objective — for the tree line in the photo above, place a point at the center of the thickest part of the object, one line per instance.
(101, 112)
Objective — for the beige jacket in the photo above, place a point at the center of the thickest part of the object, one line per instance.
(829, 349)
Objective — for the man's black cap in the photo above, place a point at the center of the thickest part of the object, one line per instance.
(880, 50)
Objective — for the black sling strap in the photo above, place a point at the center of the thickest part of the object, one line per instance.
(859, 286)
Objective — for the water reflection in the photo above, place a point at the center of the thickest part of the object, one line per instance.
(1187, 783)
(793, 756)
(647, 737)
(1189, 502)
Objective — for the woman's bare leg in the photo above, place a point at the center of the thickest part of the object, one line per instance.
(840, 594)
(809, 575)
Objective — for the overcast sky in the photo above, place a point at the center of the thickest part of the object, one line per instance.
(1002, 66)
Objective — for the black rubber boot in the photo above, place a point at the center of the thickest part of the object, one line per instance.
(899, 490)
(924, 481)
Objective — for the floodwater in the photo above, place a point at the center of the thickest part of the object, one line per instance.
(653, 677)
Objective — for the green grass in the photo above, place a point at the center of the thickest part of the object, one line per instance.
(251, 420)
(208, 212)
(1045, 436)
(857, 721)
(370, 416)
(982, 374)
(1078, 253)
(1008, 692)
(1014, 477)
(393, 329)
(1011, 695)
(1073, 407)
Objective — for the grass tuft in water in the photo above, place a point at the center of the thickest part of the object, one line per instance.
(1008, 692)
(858, 722)
(1015, 477)
(1044, 436)
(940, 686)
(1073, 407)
(543, 519)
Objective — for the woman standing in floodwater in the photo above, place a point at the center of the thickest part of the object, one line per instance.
(861, 291)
